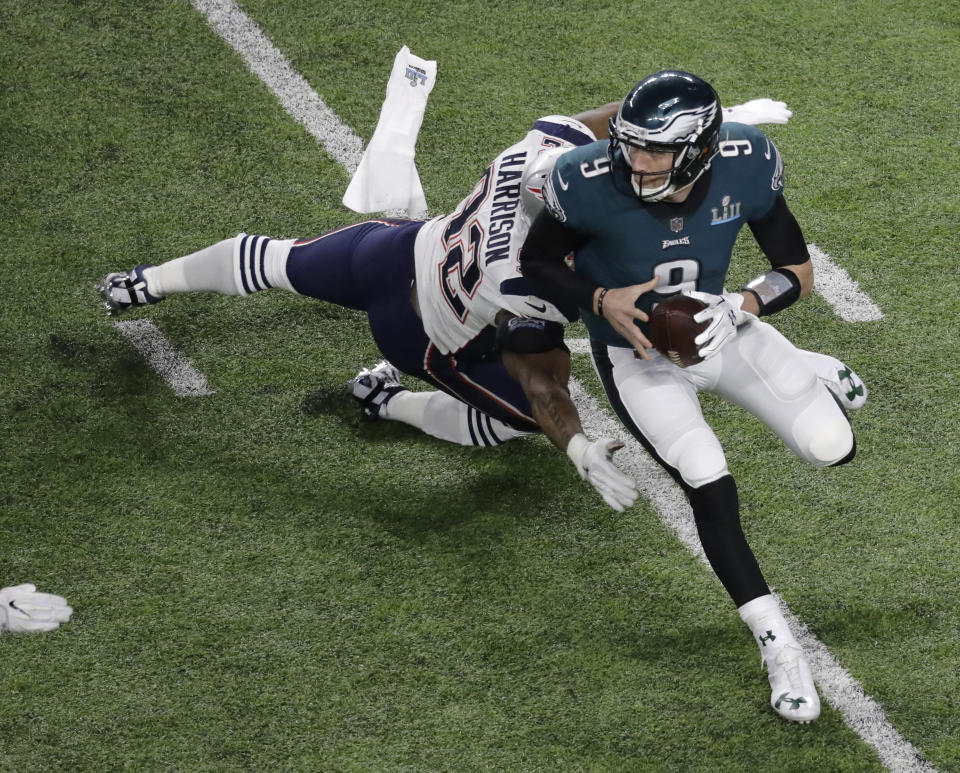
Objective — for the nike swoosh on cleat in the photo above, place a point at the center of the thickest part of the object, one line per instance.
(533, 306)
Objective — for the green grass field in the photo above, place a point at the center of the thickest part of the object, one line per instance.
(262, 581)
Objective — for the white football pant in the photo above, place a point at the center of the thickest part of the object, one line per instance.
(759, 370)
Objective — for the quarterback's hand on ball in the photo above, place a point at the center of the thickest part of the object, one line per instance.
(724, 313)
(758, 111)
(594, 462)
(619, 307)
(22, 609)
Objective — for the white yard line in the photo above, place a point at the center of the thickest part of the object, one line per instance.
(294, 93)
(838, 687)
(170, 365)
(840, 291)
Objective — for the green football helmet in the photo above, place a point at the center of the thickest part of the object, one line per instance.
(672, 112)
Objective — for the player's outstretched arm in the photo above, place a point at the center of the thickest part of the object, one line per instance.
(23, 610)
(544, 377)
(753, 112)
(598, 119)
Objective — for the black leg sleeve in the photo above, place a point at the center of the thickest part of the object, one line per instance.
(716, 510)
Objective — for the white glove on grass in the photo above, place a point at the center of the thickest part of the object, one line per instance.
(594, 462)
(725, 315)
(23, 610)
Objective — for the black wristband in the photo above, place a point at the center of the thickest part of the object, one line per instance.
(603, 292)
(774, 290)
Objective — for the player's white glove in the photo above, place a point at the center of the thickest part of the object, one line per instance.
(594, 462)
(22, 609)
(758, 111)
(725, 315)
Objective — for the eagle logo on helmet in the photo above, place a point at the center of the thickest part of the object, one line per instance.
(679, 128)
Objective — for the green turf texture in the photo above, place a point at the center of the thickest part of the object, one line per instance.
(263, 581)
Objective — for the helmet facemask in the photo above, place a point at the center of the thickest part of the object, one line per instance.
(690, 161)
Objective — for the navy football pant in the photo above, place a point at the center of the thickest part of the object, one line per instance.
(370, 266)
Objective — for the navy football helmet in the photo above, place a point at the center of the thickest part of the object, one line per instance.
(673, 112)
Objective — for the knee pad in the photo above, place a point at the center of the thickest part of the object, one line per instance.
(831, 443)
(698, 458)
(823, 433)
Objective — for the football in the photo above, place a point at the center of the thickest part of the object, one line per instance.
(672, 329)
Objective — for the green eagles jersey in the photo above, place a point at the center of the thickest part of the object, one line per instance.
(687, 245)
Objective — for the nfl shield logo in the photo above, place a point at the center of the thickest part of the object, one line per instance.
(676, 224)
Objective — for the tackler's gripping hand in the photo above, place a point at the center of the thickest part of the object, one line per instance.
(725, 314)
(594, 463)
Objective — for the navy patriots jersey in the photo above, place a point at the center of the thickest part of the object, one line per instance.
(688, 245)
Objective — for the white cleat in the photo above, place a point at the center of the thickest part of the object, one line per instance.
(374, 387)
(124, 290)
(792, 692)
(840, 379)
(852, 392)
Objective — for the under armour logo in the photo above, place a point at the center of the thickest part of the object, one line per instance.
(415, 75)
(765, 639)
(855, 391)
(794, 702)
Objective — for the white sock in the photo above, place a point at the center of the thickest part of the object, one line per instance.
(767, 624)
(407, 407)
(237, 266)
(444, 417)
(208, 269)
